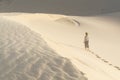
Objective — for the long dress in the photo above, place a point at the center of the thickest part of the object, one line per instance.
(86, 42)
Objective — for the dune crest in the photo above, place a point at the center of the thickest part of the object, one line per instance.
(24, 55)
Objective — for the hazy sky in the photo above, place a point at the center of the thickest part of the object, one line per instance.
(71, 7)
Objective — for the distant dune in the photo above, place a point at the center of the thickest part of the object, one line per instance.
(67, 7)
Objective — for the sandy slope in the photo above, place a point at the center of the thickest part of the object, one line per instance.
(94, 66)
(66, 38)
(103, 31)
(24, 55)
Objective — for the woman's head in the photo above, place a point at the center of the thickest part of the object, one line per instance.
(86, 33)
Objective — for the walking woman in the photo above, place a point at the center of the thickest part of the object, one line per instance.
(86, 41)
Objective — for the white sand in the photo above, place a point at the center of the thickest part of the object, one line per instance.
(24, 55)
(66, 38)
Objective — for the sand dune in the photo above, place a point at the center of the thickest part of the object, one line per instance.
(24, 55)
(67, 40)
(68, 21)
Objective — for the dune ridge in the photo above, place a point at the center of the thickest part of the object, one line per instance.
(24, 55)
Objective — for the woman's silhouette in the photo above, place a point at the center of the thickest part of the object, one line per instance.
(86, 41)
